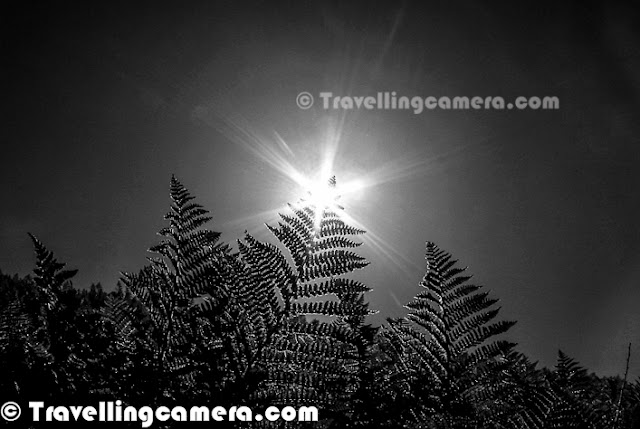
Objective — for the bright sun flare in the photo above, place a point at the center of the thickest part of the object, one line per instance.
(311, 183)
(322, 194)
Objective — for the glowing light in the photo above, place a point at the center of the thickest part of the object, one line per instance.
(306, 172)
(322, 194)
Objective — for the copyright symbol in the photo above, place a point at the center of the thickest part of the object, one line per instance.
(304, 100)
(10, 411)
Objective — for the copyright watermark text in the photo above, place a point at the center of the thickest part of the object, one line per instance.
(418, 104)
(109, 411)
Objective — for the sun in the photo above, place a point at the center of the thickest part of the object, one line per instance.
(322, 194)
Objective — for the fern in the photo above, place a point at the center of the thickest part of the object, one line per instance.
(524, 397)
(171, 321)
(22, 354)
(58, 317)
(284, 323)
(446, 343)
(575, 405)
(49, 274)
(304, 361)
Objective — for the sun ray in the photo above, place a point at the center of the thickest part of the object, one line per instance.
(381, 246)
(254, 218)
(310, 185)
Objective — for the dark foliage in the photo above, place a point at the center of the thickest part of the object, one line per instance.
(283, 324)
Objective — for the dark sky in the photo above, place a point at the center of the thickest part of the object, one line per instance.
(101, 104)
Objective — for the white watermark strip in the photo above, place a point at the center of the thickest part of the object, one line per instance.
(418, 104)
(109, 411)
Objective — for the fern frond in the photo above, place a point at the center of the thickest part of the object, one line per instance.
(49, 274)
(446, 342)
(298, 358)
(336, 286)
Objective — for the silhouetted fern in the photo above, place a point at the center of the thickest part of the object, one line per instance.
(282, 323)
(305, 362)
(167, 320)
(442, 347)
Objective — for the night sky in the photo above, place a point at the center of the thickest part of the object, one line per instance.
(101, 104)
